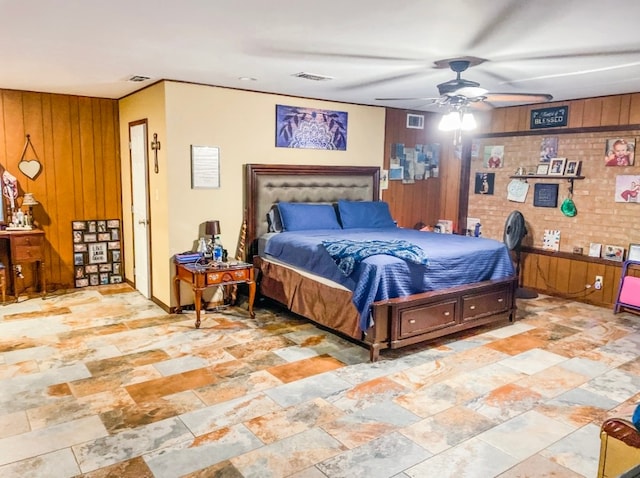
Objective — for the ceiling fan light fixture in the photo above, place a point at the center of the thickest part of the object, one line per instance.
(468, 122)
(450, 122)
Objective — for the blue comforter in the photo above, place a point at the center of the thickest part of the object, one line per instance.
(452, 260)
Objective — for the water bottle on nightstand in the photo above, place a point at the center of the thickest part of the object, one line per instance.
(217, 249)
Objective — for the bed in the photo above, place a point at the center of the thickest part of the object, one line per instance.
(397, 303)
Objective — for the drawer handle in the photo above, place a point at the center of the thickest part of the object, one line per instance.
(472, 307)
(500, 299)
(412, 321)
(447, 314)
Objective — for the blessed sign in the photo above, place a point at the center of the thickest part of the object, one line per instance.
(549, 117)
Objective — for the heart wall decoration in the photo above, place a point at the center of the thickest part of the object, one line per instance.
(30, 168)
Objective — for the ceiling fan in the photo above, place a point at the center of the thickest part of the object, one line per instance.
(460, 93)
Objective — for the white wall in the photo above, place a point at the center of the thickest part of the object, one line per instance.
(242, 125)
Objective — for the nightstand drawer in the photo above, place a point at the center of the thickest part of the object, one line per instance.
(27, 248)
(233, 275)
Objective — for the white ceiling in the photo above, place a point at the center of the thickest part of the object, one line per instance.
(372, 48)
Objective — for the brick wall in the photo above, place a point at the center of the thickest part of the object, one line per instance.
(600, 219)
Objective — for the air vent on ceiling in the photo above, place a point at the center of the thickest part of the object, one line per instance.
(138, 78)
(313, 76)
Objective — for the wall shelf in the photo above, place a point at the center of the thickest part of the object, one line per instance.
(547, 176)
(544, 176)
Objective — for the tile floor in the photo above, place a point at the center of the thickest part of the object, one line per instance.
(102, 383)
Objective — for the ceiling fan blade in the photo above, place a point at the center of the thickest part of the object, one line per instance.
(429, 100)
(499, 20)
(469, 92)
(334, 55)
(633, 51)
(382, 81)
(520, 98)
(480, 106)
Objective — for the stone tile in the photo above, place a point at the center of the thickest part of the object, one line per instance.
(92, 454)
(577, 451)
(287, 456)
(380, 458)
(290, 421)
(525, 434)
(473, 458)
(228, 413)
(533, 361)
(39, 442)
(300, 369)
(537, 465)
(205, 451)
(59, 464)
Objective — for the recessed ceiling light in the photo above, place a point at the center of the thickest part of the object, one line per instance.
(247, 78)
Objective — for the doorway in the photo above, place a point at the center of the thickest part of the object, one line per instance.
(140, 206)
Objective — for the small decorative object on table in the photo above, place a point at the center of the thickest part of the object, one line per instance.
(594, 249)
(551, 240)
(613, 253)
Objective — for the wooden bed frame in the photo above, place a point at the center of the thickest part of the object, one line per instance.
(397, 322)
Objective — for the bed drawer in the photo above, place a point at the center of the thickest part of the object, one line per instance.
(420, 320)
(479, 305)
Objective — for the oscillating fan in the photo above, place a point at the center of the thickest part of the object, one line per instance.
(514, 232)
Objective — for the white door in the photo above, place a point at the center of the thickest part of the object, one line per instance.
(140, 207)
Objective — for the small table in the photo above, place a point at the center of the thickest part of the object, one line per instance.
(26, 246)
(203, 276)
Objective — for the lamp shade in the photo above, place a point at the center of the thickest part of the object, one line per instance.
(29, 200)
(212, 228)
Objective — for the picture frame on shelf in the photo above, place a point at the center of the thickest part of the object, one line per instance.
(595, 249)
(556, 166)
(613, 253)
(573, 167)
(542, 169)
(633, 253)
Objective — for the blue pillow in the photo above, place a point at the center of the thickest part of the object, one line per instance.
(371, 214)
(298, 216)
(636, 417)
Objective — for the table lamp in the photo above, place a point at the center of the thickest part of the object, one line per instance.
(29, 201)
(212, 228)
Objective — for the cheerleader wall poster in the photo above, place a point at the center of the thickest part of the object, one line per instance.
(628, 188)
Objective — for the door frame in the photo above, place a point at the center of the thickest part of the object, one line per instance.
(147, 205)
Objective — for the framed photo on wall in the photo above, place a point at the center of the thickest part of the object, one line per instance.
(542, 169)
(613, 253)
(573, 167)
(595, 249)
(556, 166)
(634, 252)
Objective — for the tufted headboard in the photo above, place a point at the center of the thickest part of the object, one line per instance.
(268, 184)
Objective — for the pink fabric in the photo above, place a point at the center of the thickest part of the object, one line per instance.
(630, 293)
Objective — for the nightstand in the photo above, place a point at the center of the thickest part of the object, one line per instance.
(214, 274)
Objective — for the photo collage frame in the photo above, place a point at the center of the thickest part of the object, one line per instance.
(97, 257)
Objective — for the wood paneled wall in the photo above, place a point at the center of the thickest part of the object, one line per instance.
(426, 200)
(77, 142)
